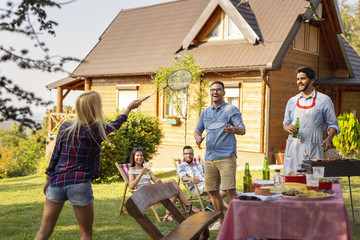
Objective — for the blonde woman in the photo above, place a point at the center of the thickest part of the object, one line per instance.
(140, 176)
(75, 162)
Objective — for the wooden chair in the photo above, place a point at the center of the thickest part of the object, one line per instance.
(198, 196)
(194, 227)
(123, 169)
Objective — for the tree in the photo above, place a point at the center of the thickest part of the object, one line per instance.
(182, 101)
(27, 18)
(350, 15)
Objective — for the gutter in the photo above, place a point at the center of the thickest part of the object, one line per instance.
(264, 72)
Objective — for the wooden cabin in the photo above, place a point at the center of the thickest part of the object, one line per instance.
(253, 47)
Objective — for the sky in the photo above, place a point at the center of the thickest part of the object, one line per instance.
(81, 23)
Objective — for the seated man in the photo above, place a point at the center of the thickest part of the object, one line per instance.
(189, 171)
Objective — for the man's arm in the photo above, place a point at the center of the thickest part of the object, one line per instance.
(326, 144)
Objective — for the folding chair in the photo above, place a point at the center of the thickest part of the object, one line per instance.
(123, 169)
(198, 196)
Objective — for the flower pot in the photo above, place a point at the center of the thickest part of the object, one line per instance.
(279, 158)
(172, 121)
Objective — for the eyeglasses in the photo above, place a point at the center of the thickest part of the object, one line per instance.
(215, 90)
(138, 149)
(188, 154)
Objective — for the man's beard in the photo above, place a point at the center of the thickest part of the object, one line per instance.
(306, 87)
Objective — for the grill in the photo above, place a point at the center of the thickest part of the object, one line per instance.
(337, 168)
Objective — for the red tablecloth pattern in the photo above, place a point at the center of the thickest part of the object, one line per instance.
(288, 219)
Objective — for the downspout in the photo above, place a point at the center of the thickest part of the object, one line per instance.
(263, 72)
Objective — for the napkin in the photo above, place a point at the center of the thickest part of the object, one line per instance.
(262, 197)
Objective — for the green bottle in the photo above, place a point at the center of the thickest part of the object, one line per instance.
(247, 179)
(296, 132)
(266, 170)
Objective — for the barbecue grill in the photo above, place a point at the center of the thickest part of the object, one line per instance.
(336, 168)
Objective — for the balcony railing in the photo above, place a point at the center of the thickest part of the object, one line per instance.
(56, 119)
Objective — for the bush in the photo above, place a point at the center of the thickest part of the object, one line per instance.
(139, 131)
(20, 151)
(348, 141)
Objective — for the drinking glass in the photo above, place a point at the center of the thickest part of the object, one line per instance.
(196, 179)
(318, 172)
(146, 166)
(312, 182)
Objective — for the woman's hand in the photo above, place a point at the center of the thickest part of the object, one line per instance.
(157, 181)
(46, 185)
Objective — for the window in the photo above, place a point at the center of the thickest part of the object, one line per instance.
(171, 109)
(232, 96)
(126, 94)
(307, 39)
(221, 27)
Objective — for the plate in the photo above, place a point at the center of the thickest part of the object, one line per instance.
(264, 182)
(309, 198)
(334, 179)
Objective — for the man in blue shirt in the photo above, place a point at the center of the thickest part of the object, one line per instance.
(315, 112)
(220, 157)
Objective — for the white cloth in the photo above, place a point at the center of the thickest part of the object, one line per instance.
(309, 141)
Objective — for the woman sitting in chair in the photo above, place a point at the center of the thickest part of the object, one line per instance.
(140, 176)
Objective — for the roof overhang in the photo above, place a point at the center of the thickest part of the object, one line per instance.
(68, 83)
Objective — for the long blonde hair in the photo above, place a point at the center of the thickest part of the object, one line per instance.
(88, 109)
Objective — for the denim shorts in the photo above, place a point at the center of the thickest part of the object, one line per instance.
(78, 194)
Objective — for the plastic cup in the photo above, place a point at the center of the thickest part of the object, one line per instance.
(318, 172)
(196, 179)
(312, 182)
(146, 166)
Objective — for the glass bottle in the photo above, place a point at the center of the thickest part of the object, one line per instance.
(277, 178)
(296, 132)
(266, 170)
(247, 179)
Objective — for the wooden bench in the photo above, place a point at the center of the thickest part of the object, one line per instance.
(194, 227)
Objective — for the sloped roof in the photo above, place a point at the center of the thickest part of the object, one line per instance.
(140, 40)
(68, 81)
(248, 14)
(354, 60)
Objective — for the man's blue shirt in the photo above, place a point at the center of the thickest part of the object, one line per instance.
(219, 144)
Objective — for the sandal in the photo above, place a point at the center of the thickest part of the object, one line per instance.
(188, 209)
(166, 218)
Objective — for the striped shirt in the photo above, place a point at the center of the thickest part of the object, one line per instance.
(78, 161)
(145, 179)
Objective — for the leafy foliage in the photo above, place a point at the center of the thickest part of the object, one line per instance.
(348, 141)
(28, 18)
(21, 151)
(139, 131)
(182, 101)
(350, 15)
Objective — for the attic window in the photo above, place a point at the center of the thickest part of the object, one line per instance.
(221, 27)
(307, 38)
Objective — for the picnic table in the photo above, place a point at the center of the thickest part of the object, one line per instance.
(288, 219)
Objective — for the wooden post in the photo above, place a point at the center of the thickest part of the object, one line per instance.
(59, 99)
(87, 84)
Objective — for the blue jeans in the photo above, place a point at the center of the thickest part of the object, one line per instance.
(78, 194)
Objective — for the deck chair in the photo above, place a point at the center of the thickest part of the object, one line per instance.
(198, 196)
(123, 169)
(193, 227)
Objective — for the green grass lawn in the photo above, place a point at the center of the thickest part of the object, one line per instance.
(21, 206)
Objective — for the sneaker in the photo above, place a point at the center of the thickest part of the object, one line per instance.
(215, 227)
(210, 207)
